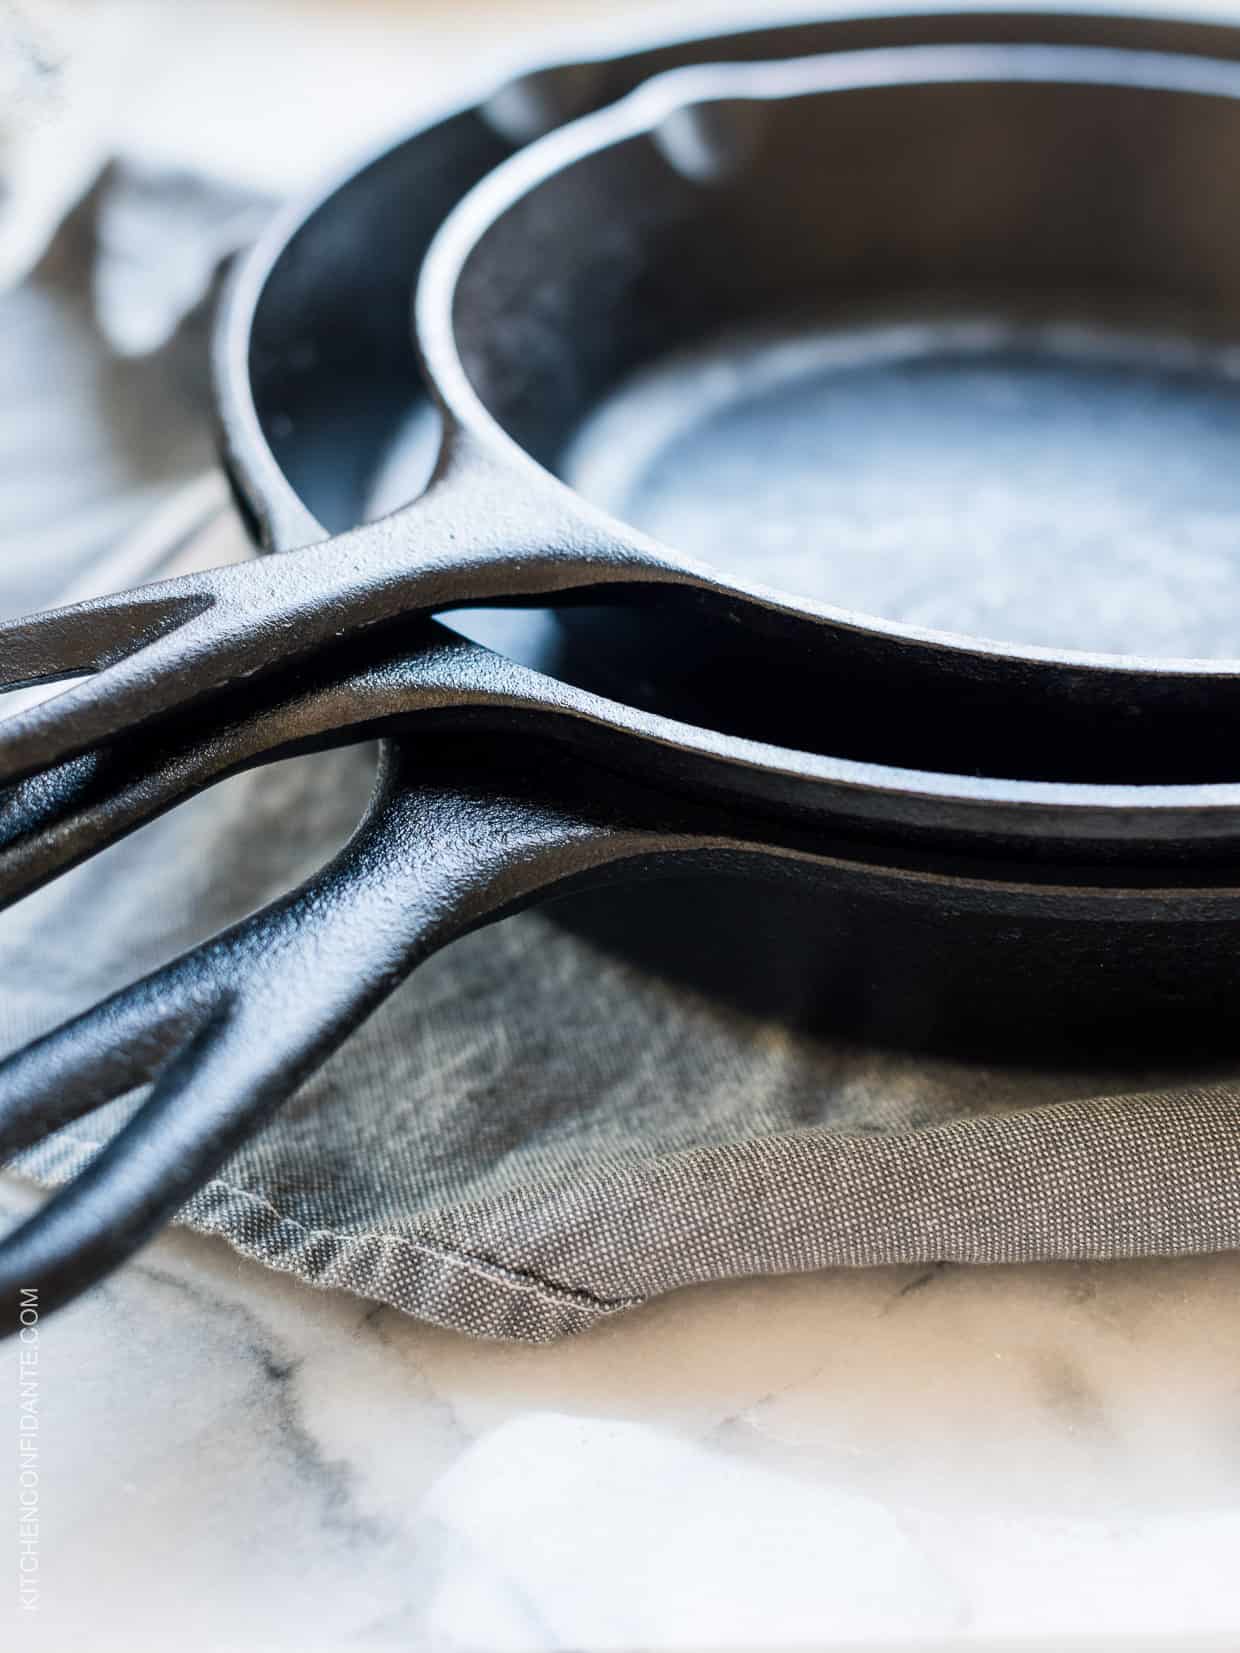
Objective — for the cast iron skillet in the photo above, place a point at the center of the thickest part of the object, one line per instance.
(1117, 899)
(646, 226)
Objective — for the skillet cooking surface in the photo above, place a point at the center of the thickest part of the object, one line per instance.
(1068, 487)
(1071, 485)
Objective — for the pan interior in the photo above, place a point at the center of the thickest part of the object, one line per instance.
(1067, 484)
(961, 356)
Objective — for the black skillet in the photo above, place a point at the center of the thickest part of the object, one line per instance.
(651, 226)
(1108, 900)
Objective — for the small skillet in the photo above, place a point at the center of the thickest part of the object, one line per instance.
(647, 224)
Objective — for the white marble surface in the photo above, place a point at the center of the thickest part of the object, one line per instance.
(1043, 1457)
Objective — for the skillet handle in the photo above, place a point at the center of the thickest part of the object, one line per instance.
(481, 533)
(55, 820)
(229, 1030)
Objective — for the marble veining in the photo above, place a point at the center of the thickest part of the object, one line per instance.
(1036, 1457)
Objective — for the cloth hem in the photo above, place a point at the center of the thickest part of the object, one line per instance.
(381, 1265)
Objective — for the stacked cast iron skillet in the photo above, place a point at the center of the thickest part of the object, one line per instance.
(941, 840)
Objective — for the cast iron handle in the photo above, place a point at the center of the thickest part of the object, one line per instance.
(429, 680)
(481, 534)
(230, 1029)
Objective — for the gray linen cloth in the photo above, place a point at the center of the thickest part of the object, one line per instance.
(532, 1134)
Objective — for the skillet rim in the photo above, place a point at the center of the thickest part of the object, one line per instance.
(638, 116)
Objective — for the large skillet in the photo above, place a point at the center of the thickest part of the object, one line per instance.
(1018, 901)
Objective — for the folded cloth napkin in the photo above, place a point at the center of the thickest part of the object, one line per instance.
(532, 1134)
